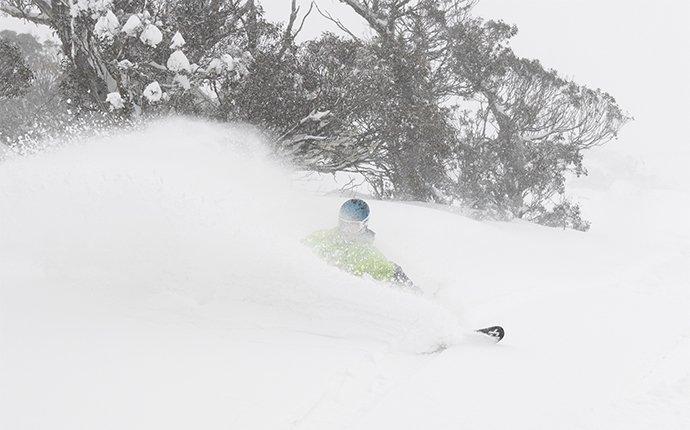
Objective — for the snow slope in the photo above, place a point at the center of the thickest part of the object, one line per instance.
(156, 279)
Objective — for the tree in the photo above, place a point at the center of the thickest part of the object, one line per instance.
(15, 74)
(435, 106)
(404, 125)
(530, 128)
(40, 106)
(128, 56)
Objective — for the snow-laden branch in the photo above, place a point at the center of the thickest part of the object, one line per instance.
(315, 116)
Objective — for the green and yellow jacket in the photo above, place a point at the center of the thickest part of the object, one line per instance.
(354, 255)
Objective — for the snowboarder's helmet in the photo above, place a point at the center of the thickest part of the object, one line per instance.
(354, 210)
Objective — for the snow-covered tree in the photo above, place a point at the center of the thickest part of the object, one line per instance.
(114, 49)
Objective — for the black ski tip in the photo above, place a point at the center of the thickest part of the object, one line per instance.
(496, 332)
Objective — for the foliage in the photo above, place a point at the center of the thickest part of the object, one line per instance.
(128, 57)
(387, 93)
(529, 127)
(40, 107)
(564, 215)
(15, 74)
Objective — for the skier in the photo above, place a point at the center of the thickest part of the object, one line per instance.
(350, 247)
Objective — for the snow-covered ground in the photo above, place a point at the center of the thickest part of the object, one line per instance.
(157, 280)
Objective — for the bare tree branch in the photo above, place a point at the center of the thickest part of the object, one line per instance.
(337, 22)
(289, 36)
(304, 19)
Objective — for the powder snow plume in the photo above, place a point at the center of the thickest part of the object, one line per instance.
(185, 223)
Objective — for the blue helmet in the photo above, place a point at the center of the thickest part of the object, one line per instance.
(354, 210)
